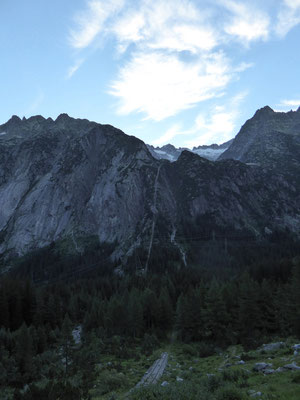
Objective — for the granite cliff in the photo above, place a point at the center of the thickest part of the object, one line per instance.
(69, 179)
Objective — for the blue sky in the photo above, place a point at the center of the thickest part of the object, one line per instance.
(186, 72)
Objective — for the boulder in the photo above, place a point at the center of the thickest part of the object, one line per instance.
(293, 367)
(261, 366)
(272, 346)
(269, 371)
(256, 394)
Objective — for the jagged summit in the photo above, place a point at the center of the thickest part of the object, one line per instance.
(264, 111)
(270, 139)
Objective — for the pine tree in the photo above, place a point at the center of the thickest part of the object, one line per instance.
(135, 314)
(67, 343)
(295, 298)
(150, 309)
(4, 309)
(165, 311)
(215, 315)
(28, 303)
(24, 352)
(249, 313)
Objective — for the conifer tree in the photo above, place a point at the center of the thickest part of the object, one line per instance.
(4, 309)
(135, 314)
(295, 298)
(67, 343)
(24, 352)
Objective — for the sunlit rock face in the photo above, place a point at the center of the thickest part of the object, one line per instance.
(73, 178)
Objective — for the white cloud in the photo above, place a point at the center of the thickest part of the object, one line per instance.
(170, 134)
(161, 85)
(35, 104)
(246, 22)
(217, 126)
(90, 22)
(169, 50)
(288, 17)
(74, 68)
(172, 25)
(291, 104)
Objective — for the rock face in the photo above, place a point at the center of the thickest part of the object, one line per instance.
(269, 139)
(73, 178)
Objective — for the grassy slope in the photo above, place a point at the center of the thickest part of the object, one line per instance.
(118, 377)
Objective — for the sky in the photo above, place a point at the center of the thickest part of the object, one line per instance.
(186, 72)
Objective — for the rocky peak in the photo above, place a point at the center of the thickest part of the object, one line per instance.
(264, 112)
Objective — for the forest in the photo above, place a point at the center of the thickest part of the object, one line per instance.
(242, 303)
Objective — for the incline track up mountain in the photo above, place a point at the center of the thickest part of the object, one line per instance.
(153, 374)
(154, 210)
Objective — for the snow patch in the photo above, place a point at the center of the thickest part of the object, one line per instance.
(210, 154)
(165, 155)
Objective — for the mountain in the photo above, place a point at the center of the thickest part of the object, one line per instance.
(72, 181)
(269, 139)
(171, 153)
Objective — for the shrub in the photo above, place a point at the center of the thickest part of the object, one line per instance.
(229, 393)
(205, 349)
(234, 375)
(109, 381)
(296, 378)
(189, 350)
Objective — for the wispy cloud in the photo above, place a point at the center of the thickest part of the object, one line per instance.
(74, 68)
(289, 104)
(90, 22)
(176, 25)
(173, 54)
(35, 104)
(171, 133)
(161, 85)
(288, 17)
(219, 125)
(157, 80)
(246, 22)
(216, 126)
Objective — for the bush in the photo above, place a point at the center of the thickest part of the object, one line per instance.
(205, 349)
(189, 350)
(213, 382)
(296, 378)
(234, 375)
(229, 393)
(109, 381)
(180, 391)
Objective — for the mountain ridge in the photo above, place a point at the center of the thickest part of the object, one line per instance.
(70, 178)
